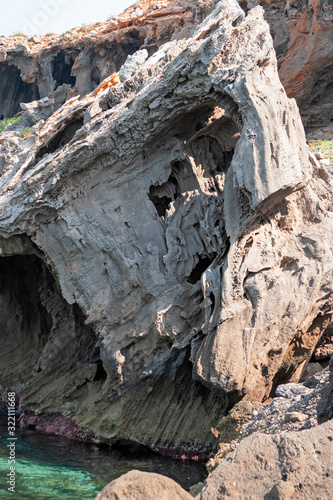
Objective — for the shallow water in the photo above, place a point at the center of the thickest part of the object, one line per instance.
(53, 467)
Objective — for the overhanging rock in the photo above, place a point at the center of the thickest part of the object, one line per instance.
(179, 213)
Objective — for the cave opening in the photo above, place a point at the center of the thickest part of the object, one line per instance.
(42, 336)
(63, 137)
(198, 270)
(25, 323)
(62, 69)
(95, 76)
(13, 91)
(163, 195)
(212, 150)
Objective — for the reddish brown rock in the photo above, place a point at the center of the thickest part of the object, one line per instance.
(302, 31)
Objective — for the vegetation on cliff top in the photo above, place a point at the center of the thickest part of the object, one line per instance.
(9, 121)
(324, 147)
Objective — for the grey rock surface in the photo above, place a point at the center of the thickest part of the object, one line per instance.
(298, 411)
(290, 465)
(186, 231)
(132, 63)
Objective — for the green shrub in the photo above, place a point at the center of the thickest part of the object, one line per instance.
(8, 121)
(325, 148)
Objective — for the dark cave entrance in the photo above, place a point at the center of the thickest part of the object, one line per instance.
(63, 137)
(61, 70)
(200, 268)
(25, 323)
(40, 332)
(163, 195)
(180, 180)
(13, 91)
(95, 76)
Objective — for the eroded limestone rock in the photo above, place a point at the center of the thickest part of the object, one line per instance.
(292, 465)
(61, 66)
(186, 232)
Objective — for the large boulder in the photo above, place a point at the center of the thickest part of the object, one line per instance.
(136, 485)
(288, 466)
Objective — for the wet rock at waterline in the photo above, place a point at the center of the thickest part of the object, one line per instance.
(175, 241)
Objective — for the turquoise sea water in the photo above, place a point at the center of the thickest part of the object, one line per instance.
(53, 467)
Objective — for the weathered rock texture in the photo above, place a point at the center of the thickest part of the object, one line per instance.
(137, 485)
(294, 465)
(324, 348)
(296, 407)
(176, 238)
(60, 67)
(276, 462)
(76, 62)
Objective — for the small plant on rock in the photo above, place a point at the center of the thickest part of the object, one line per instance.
(324, 147)
(9, 121)
(26, 132)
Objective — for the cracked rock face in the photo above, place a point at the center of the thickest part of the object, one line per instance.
(176, 240)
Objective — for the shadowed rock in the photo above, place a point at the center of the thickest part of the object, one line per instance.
(185, 229)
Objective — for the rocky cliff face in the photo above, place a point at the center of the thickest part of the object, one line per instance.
(302, 33)
(59, 67)
(165, 238)
(77, 62)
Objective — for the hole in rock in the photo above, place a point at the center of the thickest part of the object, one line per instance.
(212, 299)
(322, 352)
(237, 21)
(212, 149)
(209, 153)
(25, 323)
(181, 179)
(13, 91)
(61, 70)
(41, 335)
(131, 449)
(63, 137)
(199, 269)
(100, 372)
(95, 76)
(164, 194)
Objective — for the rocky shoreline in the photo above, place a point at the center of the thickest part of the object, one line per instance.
(166, 255)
